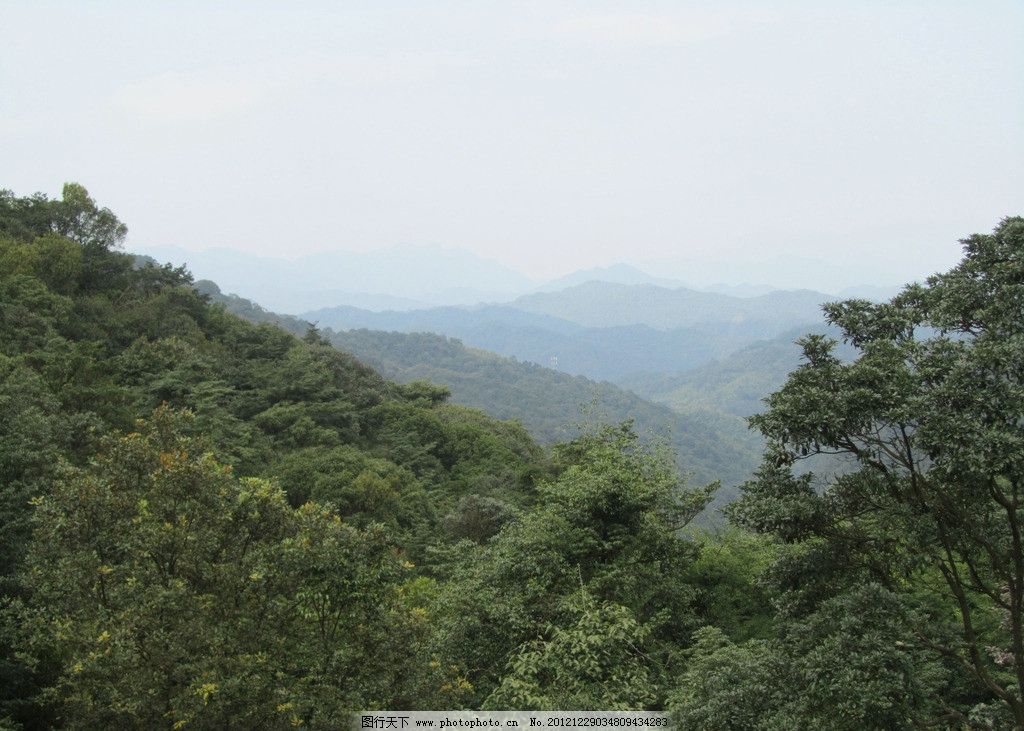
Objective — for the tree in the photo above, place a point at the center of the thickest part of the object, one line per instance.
(851, 665)
(607, 526)
(165, 591)
(31, 442)
(929, 415)
(595, 662)
(77, 217)
(728, 687)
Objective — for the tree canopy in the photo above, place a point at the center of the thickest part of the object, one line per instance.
(207, 522)
(931, 510)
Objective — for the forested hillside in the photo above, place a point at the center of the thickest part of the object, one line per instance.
(210, 523)
(603, 353)
(552, 405)
(736, 384)
(107, 366)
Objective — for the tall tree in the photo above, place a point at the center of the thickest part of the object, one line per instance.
(929, 415)
(77, 217)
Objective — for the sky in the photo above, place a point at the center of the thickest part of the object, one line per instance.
(548, 136)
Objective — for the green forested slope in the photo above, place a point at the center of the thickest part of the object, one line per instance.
(599, 350)
(91, 342)
(736, 384)
(211, 524)
(552, 405)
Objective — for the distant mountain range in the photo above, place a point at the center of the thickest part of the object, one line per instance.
(605, 304)
(602, 353)
(415, 277)
(615, 274)
(696, 401)
(607, 344)
(602, 330)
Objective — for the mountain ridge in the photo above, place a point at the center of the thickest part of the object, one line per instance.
(547, 402)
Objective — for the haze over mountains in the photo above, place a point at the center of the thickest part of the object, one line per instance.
(617, 323)
(699, 410)
(398, 278)
(412, 277)
(603, 330)
(551, 404)
(717, 350)
(686, 364)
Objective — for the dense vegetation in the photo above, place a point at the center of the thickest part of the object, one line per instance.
(736, 384)
(210, 523)
(597, 349)
(550, 404)
(91, 343)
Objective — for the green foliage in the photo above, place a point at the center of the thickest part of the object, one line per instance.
(30, 445)
(211, 523)
(726, 575)
(77, 217)
(90, 341)
(171, 593)
(607, 524)
(595, 662)
(727, 687)
(853, 664)
(478, 517)
(933, 510)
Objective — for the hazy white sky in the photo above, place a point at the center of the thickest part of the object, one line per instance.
(549, 135)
